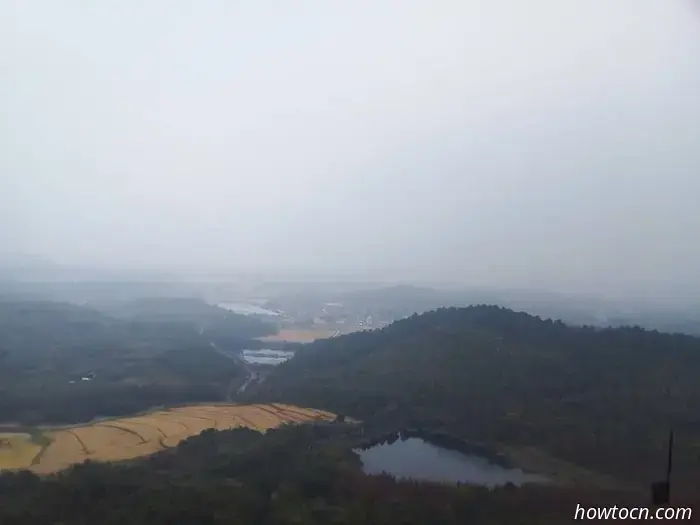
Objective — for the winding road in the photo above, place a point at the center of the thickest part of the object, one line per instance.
(251, 375)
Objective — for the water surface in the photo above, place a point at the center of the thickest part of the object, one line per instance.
(415, 458)
(267, 356)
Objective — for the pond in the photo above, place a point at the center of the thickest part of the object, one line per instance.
(418, 459)
(266, 356)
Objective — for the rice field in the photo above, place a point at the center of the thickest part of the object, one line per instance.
(132, 437)
(17, 450)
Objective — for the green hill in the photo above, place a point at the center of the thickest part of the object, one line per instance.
(188, 310)
(600, 398)
(151, 354)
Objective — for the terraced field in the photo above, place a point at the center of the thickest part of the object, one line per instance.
(127, 438)
(17, 450)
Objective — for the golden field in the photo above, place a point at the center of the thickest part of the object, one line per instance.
(17, 450)
(131, 437)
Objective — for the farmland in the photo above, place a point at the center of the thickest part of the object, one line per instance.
(131, 437)
(17, 450)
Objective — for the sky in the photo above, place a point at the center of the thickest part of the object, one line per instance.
(542, 144)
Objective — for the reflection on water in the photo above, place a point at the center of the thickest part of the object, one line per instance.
(267, 357)
(246, 309)
(415, 458)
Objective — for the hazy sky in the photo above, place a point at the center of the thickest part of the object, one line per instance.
(534, 143)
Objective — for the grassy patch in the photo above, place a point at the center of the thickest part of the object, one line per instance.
(560, 472)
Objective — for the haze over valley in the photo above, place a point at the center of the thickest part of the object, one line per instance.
(484, 145)
(349, 263)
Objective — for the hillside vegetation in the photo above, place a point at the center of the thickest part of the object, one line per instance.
(130, 362)
(189, 311)
(294, 475)
(601, 398)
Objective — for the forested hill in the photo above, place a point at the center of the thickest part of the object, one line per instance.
(187, 310)
(601, 398)
(295, 475)
(133, 356)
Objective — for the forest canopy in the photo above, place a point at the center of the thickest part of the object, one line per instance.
(601, 398)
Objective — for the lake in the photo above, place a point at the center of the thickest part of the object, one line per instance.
(266, 356)
(246, 309)
(418, 459)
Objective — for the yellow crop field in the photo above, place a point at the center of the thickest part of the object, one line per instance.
(64, 449)
(99, 437)
(132, 437)
(17, 450)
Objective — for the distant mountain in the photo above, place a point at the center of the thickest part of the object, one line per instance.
(400, 300)
(405, 300)
(135, 354)
(195, 311)
(29, 268)
(602, 398)
(18, 267)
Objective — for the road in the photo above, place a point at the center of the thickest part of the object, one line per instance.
(251, 375)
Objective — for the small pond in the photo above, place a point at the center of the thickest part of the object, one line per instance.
(419, 459)
(266, 356)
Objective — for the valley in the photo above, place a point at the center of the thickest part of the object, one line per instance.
(178, 395)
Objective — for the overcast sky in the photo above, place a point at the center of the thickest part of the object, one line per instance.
(540, 143)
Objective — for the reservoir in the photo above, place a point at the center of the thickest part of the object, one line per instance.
(267, 357)
(418, 459)
(246, 309)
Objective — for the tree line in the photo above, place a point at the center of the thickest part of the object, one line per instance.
(600, 398)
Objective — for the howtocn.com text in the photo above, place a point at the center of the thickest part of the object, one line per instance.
(632, 513)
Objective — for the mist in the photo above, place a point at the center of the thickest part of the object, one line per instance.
(537, 144)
